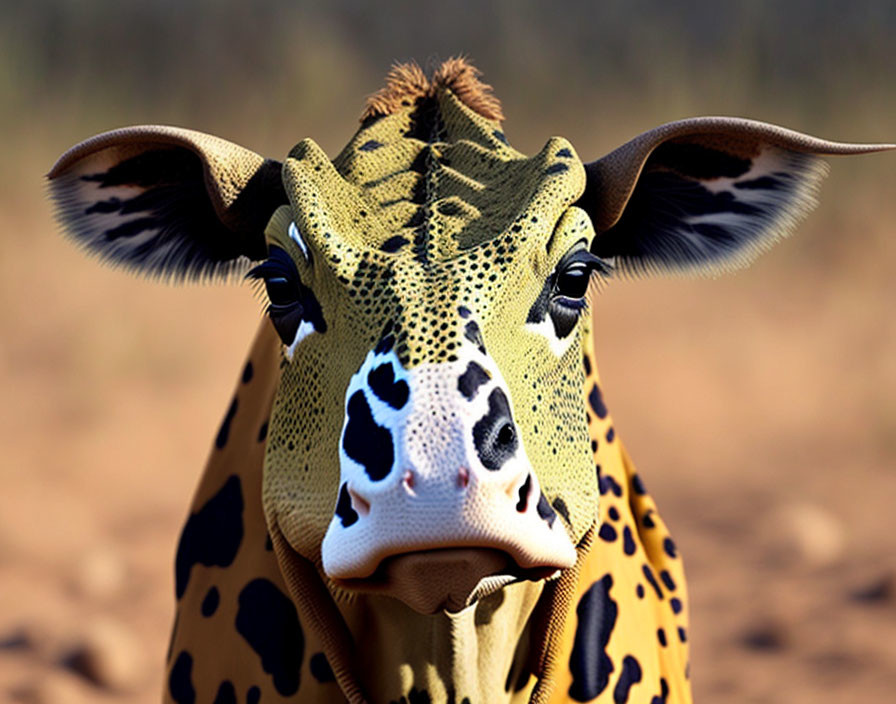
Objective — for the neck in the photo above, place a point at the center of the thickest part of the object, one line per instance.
(451, 657)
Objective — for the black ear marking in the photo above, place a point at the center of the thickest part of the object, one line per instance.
(704, 195)
(167, 202)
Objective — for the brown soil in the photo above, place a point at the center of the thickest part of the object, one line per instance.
(759, 408)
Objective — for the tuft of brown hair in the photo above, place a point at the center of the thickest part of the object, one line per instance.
(407, 82)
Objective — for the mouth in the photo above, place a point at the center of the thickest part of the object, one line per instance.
(445, 579)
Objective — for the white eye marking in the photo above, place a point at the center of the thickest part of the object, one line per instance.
(296, 237)
(306, 327)
(545, 328)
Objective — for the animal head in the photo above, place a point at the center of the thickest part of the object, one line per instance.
(430, 286)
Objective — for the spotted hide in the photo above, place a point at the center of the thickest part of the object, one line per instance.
(417, 493)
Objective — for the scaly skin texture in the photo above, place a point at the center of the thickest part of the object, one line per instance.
(417, 494)
(641, 609)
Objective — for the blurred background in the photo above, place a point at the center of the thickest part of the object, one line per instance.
(760, 408)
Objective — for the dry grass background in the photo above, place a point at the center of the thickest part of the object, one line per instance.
(760, 408)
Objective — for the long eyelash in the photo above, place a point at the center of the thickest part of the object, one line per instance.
(278, 263)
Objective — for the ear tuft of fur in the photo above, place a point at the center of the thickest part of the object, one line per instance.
(407, 83)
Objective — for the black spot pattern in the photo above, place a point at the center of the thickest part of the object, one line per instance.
(661, 637)
(589, 663)
(370, 145)
(226, 693)
(224, 430)
(611, 434)
(596, 401)
(499, 135)
(364, 441)
(556, 169)
(263, 432)
(248, 372)
(393, 244)
(648, 575)
(382, 382)
(253, 695)
(344, 509)
(474, 335)
(320, 668)
(669, 547)
(607, 532)
(639, 591)
(628, 542)
(469, 382)
(212, 536)
(646, 520)
(630, 676)
(561, 508)
(210, 602)
(638, 485)
(667, 580)
(682, 635)
(675, 603)
(494, 435)
(545, 512)
(267, 619)
(613, 513)
(180, 680)
(607, 483)
(386, 343)
(564, 153)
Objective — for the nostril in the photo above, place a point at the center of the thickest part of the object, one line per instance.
(463, 477)
(506, 435)
(359, 503)
(523, 503)
(409, 480)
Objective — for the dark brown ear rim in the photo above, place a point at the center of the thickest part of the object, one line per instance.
(705, 194)
(167, 202)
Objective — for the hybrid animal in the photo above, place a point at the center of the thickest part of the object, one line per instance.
(417, 493)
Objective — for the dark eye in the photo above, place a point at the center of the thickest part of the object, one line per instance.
(281, 291)
(567, 294)
(572, 281)
(291, 302)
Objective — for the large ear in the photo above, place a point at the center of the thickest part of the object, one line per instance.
(705, 194)
(167, 202)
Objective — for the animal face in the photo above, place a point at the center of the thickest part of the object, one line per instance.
(432, 388)
(429, 286)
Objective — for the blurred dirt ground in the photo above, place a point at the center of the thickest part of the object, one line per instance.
(760, 409)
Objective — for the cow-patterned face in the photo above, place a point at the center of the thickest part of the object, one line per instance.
(431, 395)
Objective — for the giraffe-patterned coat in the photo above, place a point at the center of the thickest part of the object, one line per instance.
(417, 493)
